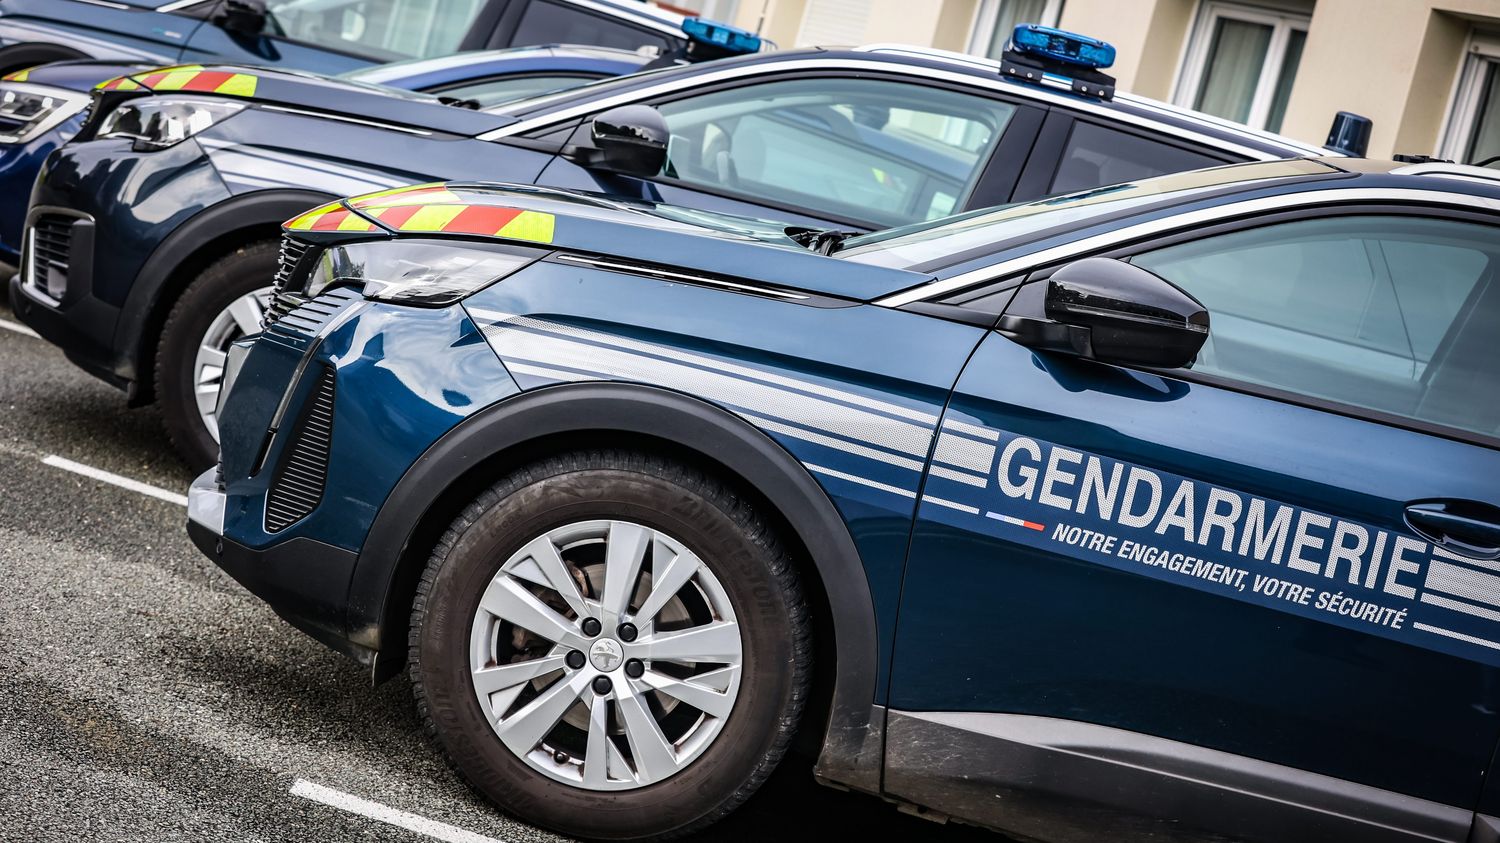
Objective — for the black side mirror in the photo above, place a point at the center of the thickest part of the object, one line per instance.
(243, 16)
(1113, 312)
(631, 139)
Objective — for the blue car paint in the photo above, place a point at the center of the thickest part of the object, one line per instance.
(995, 614)
(98, 30)
(20, 163)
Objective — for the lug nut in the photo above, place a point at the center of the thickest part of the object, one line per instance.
(627, 632)
(560, 757)
(576, 659)
(592, 627)
(634, 668)
(602, 685)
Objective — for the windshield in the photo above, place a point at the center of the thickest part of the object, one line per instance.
(932, 245)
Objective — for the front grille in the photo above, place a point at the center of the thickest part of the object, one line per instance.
(298, 486)
(300, 319)
(51, 248)
(288, 257)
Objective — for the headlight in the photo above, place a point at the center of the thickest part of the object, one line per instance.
(422, 272)
(157, 123)
(27, 111)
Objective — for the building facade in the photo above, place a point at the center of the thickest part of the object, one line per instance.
(1427, 72)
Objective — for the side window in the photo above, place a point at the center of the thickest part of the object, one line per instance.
(868, 149)
(558, 23)
(1095, 156)
(385, 29)
(496, 91)
(1388, 313)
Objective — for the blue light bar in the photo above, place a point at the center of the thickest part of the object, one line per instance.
(1065, 47)
(723, 36)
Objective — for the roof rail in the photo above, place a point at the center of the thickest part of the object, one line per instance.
(1465, 172)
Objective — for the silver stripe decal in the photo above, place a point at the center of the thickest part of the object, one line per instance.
(1437, 630)
(1435, 195)
(1478, 563)
(972, 510)
(1463, 582)
(971, 429)
(1476, 611)
(849, 422)
(708, 363)
(544, 372)
(829, 442)
(916, 73)
(905, 493)
(345, 119)
(958, 477)
(976, 457)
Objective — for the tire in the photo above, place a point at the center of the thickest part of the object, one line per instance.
(572, 495)
(202, 308)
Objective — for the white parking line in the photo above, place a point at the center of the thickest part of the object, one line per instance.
(115, 479)
(386, 814)
(17, 327)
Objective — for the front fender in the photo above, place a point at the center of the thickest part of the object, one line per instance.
(513, 430)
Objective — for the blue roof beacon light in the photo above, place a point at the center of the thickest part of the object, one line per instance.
(1037, 53)
(721, 39)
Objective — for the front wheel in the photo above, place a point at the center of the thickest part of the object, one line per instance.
(611, 645)
(224, 303)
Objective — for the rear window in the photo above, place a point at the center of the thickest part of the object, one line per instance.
(1095, 155)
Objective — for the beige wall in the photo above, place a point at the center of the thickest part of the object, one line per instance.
(1403, 80)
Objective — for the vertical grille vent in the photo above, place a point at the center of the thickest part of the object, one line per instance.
(298, 486)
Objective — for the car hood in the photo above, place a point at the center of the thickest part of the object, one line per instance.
(311, 92)
(669, 237)
(81, 76)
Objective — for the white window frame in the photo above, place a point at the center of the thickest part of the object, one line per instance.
(986, 12)
(1482, 51)
(1195, 60)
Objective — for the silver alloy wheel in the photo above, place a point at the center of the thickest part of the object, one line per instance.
(240, 318)
(637, 700)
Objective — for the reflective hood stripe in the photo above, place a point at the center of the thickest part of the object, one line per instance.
(189, 77)
(18, 76)
(463, 218)
(119, 83)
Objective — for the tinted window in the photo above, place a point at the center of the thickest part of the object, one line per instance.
(1391, 313)
(388, 29)
(555, 23)
(1097, 156)
(496, 91)
(868, 149)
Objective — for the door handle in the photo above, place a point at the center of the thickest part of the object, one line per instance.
(1468, 528)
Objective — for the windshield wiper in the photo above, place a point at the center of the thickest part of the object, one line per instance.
(824, 241)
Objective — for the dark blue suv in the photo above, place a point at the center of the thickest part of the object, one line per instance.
(1162, 511)
(330, 37)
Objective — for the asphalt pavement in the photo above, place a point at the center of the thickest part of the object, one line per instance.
(145, 696)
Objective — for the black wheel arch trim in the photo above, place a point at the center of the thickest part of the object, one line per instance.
(852, 744)
(143, 313)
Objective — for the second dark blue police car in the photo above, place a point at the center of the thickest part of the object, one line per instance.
(854, 139)
(1168, 510)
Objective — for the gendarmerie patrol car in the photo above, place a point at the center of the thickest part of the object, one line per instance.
(331, 36)
(853, 139)
(1166, 510)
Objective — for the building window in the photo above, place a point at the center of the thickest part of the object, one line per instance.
(1241, 63)
(1473, 133)
(994, 20)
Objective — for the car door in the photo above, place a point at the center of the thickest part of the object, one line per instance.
(865, 151)
(1256, 597)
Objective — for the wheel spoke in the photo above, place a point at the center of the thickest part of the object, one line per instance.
(717, 642)
(671, 570)
(708, 693)
(622, 566)
(655, 758)
(488, 680)
(596, 758)
(210, 357)
(207, 398)
(506, 599)
(526, 728)
(246, 312)
(547, 568)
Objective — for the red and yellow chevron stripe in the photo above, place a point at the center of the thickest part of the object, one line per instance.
(331, 217)
(187, 77)
(119, 83)
(17, 76)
